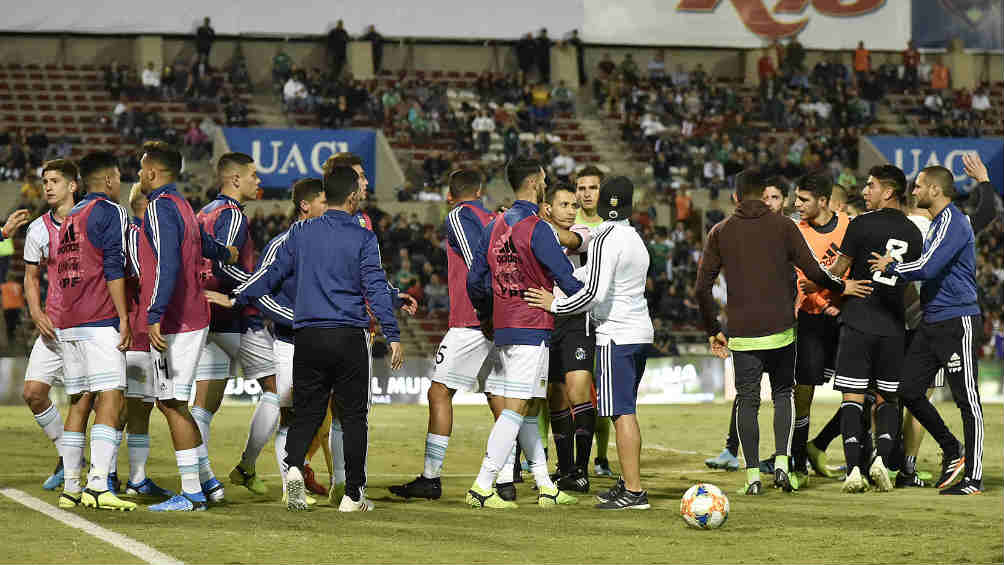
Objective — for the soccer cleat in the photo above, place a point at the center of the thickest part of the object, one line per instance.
(310, 500)
(213, 489)
(147, 488)
(951, 467)
(817, 458)
(924, 475)
(904, 480)
(965, 487)
(55, 480)
(506, 491)
(362, 505)
(799, 480)
(311, 483)
(767, 466)
(478, 498)
(105, 500)
(335, 494)
(752, 489)
(421, 487)
(782, 480)
(114, 484)
(880, 475)
(613, 492)
(184, 502)
(854, 482)
(601, 467)
(296, 500)
(67, 500)
(724, 460)
(554, 497)
(576, 481)
(626, 500)
(240, 477)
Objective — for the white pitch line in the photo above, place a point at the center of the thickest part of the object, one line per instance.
(127, 544)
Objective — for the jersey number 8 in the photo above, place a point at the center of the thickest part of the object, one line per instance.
(894, 248)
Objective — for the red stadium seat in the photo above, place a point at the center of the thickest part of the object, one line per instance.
(59, 97)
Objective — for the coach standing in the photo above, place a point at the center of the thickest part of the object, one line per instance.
(757, 250)
(338, 271)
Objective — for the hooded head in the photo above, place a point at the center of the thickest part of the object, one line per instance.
(616, 195)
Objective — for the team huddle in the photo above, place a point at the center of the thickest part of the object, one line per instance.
(547, 318)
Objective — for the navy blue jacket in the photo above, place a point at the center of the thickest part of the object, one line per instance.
(278, 306)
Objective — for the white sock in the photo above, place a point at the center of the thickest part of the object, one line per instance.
(113, 467)
(435, 453)
(266, 416)
(102, 450)
(51, 423)
(71, 447)
(188, 467)
(139, 452)
(280, 453)
(507, 474)
(529, 438)
(205, 469)
(499, 446)
(203, 418)
(337, 446)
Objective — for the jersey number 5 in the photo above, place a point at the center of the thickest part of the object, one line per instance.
(894, 248)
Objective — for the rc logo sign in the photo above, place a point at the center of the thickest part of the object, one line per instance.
(758, 19)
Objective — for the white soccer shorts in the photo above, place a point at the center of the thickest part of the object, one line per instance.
(139, 376)
(523, 374)
(252, 349)
(92, 361)
(463, 360)
(174, 370)
(283, 372)
(45, 364)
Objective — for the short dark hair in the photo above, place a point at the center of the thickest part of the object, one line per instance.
(892, 177)
(590, 171)
(777, 182)
(165, 155)
(559, 187)
(343, 159)
(749, 184)
(65, 167)
(339, 183)
(856, 201)
(943, 178)
(519, 169)
(305, 190)
(93, 163)
(465, 182)
(230, 159)
(821, 186)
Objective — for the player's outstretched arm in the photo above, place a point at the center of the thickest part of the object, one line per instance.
(17, 219)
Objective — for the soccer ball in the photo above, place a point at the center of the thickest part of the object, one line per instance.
(704, 507)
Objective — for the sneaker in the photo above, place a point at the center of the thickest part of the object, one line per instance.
(67, 500)
(964, 487)
(114, 484)
(240, 477)
(335, 493)
(553, 497)
(478, 498)
(627, 500)
(296, 500)
(55, 480)
(576, 481)
(880, 475)
(181, 503)
(506, 491)
(951, 467)
(361, 505)
(601, 467)
(147, 488)
(724, 460)
(311, 483)
(105, 500)
(752, 489)
(767, 466)
(799, 479)
(613, 492)
(904, 480)
(782, 480)
(854, 482)
(213, 489)
(817, 459)
(421, 487)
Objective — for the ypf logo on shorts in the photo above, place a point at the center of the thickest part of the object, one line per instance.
(954, 363)
(580, 354)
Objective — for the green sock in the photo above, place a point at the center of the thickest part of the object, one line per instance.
(752, 475)
(781, 462)
(544, 423)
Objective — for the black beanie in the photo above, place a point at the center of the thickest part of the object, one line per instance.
(616, 195)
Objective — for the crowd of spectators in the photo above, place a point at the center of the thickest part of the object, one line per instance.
(24, 150)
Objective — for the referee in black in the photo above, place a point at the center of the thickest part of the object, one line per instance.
(337, 268)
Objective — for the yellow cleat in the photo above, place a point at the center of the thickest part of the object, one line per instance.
(105, 500)
(67, 500)
(478, 498)
(250, 480)
(553, 497)
(335, 494)
(310, 500)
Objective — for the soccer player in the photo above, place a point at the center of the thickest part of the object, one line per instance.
(93, 329)
(870, 354)
(615, 297)
(234, 335)
(45, 364)
(518, 251)
(757, 249)
(177, 312)
(950, 331)
(465, 349)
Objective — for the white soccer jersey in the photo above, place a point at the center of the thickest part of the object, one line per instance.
(614, 293)
(36, 243)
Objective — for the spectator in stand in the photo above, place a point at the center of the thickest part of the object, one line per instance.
(197, 141)
(294, 94)
(376, 47)
(563, 165)
(564, 99)
(657, 68)
(794, 58)
(684, 204)
(714, 173)
(434, 168)
(13, 304)
(541, 118)
(526, 53)
(115, 78)
(660, 171)
(338, 41)
(580, 55)
(681, 78)
(437, 295)
(911, 58)
(483, 127)
(980, 103)
(59, 150)
(934, 106)
(872, 92)
(862, 62)
(766, 72)
(38, 144)
(542, 55)
(606, 67)
(962, 106)
(204, 37)
(629, 68)
(940, 76)
(151, 81)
